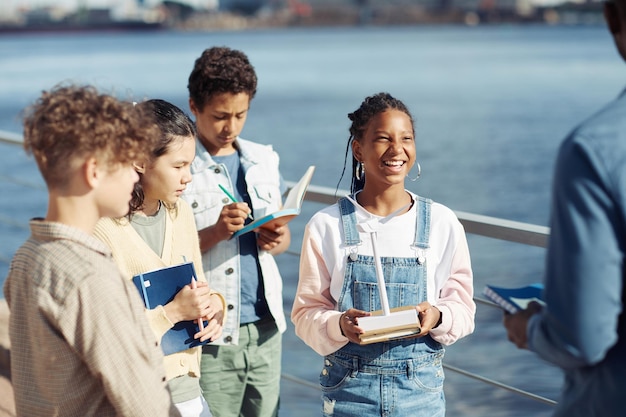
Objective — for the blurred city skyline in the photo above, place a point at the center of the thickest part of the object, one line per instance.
(199, 14)
(14, 5)
(201, 4)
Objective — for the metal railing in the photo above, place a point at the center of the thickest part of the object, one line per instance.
(524, 233)
(493, 227)
(506, 230)
(10, 138)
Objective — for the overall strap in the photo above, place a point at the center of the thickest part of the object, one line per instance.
(348, 222)
(422, 225)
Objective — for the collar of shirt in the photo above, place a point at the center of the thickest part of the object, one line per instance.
(49, 231)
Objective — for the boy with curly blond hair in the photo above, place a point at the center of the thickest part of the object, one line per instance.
(80, 341)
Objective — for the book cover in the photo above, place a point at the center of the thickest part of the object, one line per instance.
(159, 287)
(514, 299)
(291, 208)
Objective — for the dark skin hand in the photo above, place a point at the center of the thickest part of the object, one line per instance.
(429, 317)
(348, 321)
(517, 323)
(274, 241)
(232, 218)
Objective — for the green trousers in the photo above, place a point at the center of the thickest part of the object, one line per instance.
(244, 380)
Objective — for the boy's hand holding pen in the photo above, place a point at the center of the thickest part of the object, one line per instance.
(232, 198)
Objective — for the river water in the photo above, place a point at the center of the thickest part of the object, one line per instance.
(491, 106)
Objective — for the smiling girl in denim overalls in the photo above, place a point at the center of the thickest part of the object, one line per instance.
(425, 262)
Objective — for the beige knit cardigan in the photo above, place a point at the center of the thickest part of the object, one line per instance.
(134, 256)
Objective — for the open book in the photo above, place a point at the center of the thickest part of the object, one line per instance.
(291, 208)
(159, 287)
(514, 299)
(400, 323)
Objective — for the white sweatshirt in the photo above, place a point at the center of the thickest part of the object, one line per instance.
(323, 263)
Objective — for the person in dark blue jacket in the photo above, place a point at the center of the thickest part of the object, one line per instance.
(582, 328)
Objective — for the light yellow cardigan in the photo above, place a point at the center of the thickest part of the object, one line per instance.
(134, 256)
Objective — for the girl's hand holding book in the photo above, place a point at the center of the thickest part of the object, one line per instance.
(429, 315)
(348, 323)
(214, 321)
(189, 303)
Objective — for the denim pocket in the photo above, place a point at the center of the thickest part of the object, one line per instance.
(269, 193)
(206, 206)
(333, 375)
(428, 375)
(367, 297)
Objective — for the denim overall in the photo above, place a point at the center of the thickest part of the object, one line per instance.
(395, 378)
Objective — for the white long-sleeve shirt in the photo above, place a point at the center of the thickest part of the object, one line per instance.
(323, 264)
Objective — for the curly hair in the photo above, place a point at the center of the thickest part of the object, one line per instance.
(70, 123)
(221, 70)
(360, 118)
(173, 125)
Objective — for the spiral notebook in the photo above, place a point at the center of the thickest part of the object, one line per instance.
(512, 300)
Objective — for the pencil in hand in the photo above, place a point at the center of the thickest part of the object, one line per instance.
(232, 198)
(193, 287)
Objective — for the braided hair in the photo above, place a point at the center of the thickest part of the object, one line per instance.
(360, 118)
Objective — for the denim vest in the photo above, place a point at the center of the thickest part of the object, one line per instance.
(221, 263)
(402, 377)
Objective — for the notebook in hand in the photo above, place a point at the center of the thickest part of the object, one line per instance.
(291, 208)
(159, 287)
(514, 299)
(400, 323)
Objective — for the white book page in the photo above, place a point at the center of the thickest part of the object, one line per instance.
(296, 194)
(523, 302)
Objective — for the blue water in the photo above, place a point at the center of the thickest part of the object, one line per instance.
(491, 106)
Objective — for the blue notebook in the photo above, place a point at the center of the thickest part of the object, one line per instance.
(158, 287)
(514, 299)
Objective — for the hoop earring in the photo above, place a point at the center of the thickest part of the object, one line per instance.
(419, 172)
(359, 171)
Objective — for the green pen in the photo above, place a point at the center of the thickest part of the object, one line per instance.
(232, 198)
